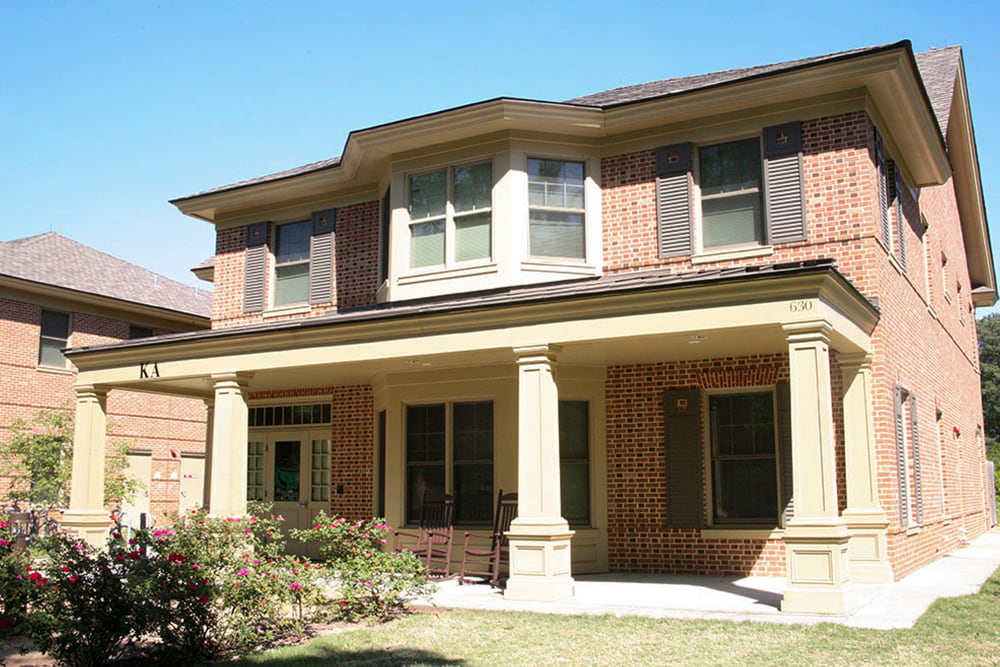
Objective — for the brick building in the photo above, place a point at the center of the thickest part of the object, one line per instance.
(56, 293)
(715, 324)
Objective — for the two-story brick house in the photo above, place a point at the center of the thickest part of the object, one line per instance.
(56, 293)
(717, 324)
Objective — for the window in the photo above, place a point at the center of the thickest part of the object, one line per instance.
(451, 215)
(289, 415)
(556, 209)
(731, 194)
(449, 449)
(574, 460)
(135, 332)
(291, 262)
(54, 337)
(744, 464)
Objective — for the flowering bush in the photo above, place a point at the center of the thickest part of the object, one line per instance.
(371, 583)
(14, 586)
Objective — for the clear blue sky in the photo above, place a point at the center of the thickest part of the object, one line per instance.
(109, 109)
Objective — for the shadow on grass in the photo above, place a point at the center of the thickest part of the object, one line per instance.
(330, 656)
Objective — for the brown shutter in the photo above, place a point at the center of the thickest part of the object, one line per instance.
(255, 262)
(784, 411)
(900, 217)
(904, 498)
(917, 492)
(673, 200)
(784, 200)
(321, 257)
(883, 190)
(682, 430)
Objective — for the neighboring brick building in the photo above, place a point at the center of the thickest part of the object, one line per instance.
(716, 324)
(57, 293)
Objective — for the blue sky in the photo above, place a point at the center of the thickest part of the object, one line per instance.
(109, 109)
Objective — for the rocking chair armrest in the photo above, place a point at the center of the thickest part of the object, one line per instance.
(401, 533)
(473, 537)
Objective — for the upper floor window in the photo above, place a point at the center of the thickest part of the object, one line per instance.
(451, 215)
(556, 209)
(731, 194)
(291, 262)
(53, 338)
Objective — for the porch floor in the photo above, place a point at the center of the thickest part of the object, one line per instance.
(886, 606)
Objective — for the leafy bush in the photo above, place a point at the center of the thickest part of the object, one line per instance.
(14, 584)
(371, 583)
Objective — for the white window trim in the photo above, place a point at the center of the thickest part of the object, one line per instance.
(735, 250)
(277, 309)
(738, 525)
(65, 367)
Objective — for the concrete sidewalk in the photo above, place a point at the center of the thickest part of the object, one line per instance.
(896, 605)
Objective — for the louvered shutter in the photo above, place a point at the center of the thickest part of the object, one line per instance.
(784, 200)
(783, 396)
(883, 191)
(904, 497)
(673, 200)
(682, 429)
(897, 191)
(917, 491)
(255, 263)
(321, 256)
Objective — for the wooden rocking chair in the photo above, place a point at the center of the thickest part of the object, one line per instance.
(485, 562)
(432, 541)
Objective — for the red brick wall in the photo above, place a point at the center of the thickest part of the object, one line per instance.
(355, 268)
(165, 425)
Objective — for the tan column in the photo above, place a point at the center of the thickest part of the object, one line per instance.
(868, 549)
(228, 468)
(87, 517)
(209, 434)
(816, 537)
(539, 537)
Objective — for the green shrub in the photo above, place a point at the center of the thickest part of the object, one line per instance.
(14, 585)
(371, 583)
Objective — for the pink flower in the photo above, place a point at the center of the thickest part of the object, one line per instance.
(343, 603)
(279, 518)
(295, 586)
(3, 524)
(134, 555)
(203, 599)
(73, 579)
(242, 573)
(3, 543)
(78, 546)
(119, 558)
(64, 568)
(176, 558)
(247, 530)
(366, 582)
(35, 576)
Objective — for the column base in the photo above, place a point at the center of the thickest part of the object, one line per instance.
(89, 526)
(540, 558)
(868, 548)
(817, 565)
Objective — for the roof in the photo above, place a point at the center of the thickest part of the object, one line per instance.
(612, 284)
(938, 68)
(53, 259)
(646, 91)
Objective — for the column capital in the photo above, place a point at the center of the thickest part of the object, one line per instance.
(859, 360)
(90, 392)
(534, 354)
(816, 331)
(231, 380)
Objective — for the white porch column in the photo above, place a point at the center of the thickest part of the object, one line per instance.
(86, 516)
(816, 537)
(228, 448)
(539, 537)
(868, 549)
(209, 434)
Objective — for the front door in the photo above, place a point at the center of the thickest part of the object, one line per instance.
(291, 471)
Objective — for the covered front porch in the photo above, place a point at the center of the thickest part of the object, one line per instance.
(527, 354)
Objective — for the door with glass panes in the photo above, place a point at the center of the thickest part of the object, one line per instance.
(291, 471)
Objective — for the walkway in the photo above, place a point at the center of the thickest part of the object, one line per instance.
(896, 605)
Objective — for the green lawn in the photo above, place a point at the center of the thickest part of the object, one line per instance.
(957, 631)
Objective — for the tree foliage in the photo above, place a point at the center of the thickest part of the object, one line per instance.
(38, 459)
(989, 359)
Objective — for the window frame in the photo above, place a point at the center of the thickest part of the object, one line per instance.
(42, 337)
(710, 482)
(450, 217)
(583, 162)
(276, 265)
(449, 461)
(588, 462)
(763, 240)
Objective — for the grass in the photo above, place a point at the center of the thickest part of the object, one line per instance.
(954, 631)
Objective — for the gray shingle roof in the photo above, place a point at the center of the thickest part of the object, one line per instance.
(53, 259)
(938, 68)
(684, 84)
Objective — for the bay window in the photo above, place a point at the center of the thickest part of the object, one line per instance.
(451, 215)
(556, 209)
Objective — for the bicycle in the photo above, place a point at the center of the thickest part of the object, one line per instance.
(42, 523)
(121, 524)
